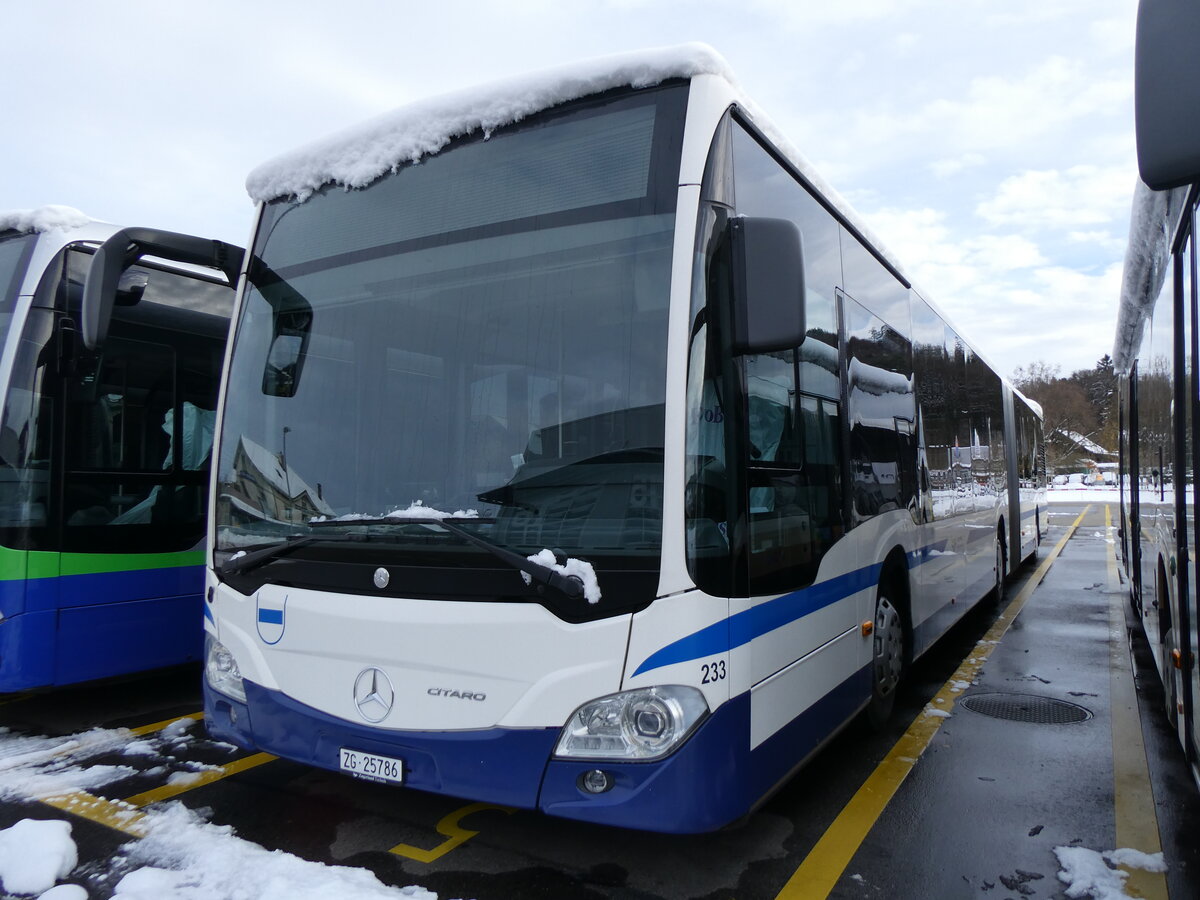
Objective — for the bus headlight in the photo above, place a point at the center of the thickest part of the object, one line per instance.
(221, 670)
(635, 725)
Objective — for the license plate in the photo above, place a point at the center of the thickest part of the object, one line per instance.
(371, 767)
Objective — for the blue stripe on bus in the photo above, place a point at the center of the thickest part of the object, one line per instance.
(270, 616)
(744, 627)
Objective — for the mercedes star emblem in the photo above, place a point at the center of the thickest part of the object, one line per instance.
(373, 694)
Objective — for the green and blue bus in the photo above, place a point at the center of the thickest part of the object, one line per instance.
(104, 450)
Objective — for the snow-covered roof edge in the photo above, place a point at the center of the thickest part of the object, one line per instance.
(1146, 260)
(1084, 442)
(357, 156)
(44, 218)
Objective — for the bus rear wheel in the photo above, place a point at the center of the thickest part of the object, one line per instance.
(887, 660)
(1166, 637)
(1001, 573)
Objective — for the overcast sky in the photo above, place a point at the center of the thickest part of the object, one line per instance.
(989, 143)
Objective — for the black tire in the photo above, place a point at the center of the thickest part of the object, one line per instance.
(1000, 572)
(1166, 646)
(887, 660)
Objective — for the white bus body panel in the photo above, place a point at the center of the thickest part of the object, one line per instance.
(783, 696)
(454, 665)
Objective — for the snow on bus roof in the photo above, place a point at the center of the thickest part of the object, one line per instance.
(44, 218)
(355, 157)
(1151, 218)
(359, 155)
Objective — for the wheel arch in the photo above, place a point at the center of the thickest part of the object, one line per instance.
(894, 579)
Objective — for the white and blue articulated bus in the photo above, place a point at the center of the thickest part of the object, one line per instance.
(1157, 355)
(580, 452)
(108, 406)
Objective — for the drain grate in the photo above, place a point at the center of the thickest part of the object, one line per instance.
(1026, 708)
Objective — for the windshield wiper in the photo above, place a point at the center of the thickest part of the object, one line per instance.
(569, 585)
(237, 565)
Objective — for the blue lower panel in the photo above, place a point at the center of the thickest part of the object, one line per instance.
(27, 651)
(713, 779)
(700, 787)
(500, 765)
(97, 634)
(120, 638)
(113, 587)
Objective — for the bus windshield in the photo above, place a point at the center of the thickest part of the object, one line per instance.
(480, 335)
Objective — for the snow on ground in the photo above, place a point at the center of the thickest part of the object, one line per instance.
(186, 858)
(35, 854)
(1083, 495)
(33, 767)
(1087, 873)
(182, 857)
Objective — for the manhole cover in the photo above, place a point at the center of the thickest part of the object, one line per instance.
(1026, 708)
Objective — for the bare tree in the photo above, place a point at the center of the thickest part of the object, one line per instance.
(1069, 411)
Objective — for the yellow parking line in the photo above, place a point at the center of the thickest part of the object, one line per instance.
(137, 801)
(1133, 794)
(818, 874)
(449, 828)
(115, 814)
(125, 815)
(159, 726)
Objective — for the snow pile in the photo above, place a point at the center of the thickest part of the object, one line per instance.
(36, 767)
(34, 854)
(44, 218)
(185, 858)
(1087, 873)
(181, 856)
(356, 157)
(576, 567)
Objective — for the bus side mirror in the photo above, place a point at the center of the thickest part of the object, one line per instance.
(1167, 92)
(767, 262)
(131, 288)
(289, 347)
(103, 287)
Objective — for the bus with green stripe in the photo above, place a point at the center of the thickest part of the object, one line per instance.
(105, 436)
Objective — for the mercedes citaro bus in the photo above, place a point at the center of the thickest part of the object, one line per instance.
(580, 451)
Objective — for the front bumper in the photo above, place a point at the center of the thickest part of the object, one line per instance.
(698, 788)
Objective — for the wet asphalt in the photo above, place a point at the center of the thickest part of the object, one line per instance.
(991, 798)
